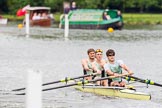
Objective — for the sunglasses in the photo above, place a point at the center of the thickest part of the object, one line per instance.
(111, 55)
(99, 50)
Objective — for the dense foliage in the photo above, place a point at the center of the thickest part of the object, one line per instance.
(11, 6)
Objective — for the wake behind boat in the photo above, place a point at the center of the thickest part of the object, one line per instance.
(121, 92)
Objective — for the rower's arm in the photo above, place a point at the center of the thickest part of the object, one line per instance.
(108, 71)
(96, 70)
(126, 69)
(85, 65)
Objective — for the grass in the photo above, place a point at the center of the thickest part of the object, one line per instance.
(13, 17)
(140, 19)
(128, 18)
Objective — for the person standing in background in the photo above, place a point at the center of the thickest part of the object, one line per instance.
(73, 6)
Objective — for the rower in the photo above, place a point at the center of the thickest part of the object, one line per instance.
(87, 63)
(99, 67)
(114, 68)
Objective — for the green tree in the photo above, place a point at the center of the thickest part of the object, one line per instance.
(56, 5)
(3, 6)
(14, 5)
(11, 6)
(145, 4)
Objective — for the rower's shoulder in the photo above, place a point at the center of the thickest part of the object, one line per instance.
(85, 60)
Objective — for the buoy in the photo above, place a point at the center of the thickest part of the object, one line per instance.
(110, 29)
(20, 26)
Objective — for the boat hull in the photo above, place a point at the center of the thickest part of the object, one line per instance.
(41, 22)
(3, 21)
(115, 92)
(116, 25)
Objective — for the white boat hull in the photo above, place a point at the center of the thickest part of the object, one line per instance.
(3, 21)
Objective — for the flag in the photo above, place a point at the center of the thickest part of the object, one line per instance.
(21, 12)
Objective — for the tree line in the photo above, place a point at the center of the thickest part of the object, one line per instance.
(126, 6)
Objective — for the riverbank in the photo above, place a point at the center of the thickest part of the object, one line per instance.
(142, 19)
(128, 18)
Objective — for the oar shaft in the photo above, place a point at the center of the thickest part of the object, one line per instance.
(133, 78)
(63, 80)
(68, 79)
(58, 87)
(78, 83)
(19, 89)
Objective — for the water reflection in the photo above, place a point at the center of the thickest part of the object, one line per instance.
(86, 35)
(143, 27)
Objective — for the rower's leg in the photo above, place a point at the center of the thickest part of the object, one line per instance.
(122, 84)
(115, 83)
(104, 83)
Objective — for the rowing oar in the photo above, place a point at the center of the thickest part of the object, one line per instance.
(63, 80)
(133, 78)
(79, 83)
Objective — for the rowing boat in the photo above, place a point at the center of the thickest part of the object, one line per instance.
(121, 92)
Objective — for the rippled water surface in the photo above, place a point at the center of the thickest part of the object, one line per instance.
(56, 57)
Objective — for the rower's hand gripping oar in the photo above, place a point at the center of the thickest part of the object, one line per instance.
(63, 80)
(79, 83)
(133, 78)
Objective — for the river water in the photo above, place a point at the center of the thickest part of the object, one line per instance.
(47, 50)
